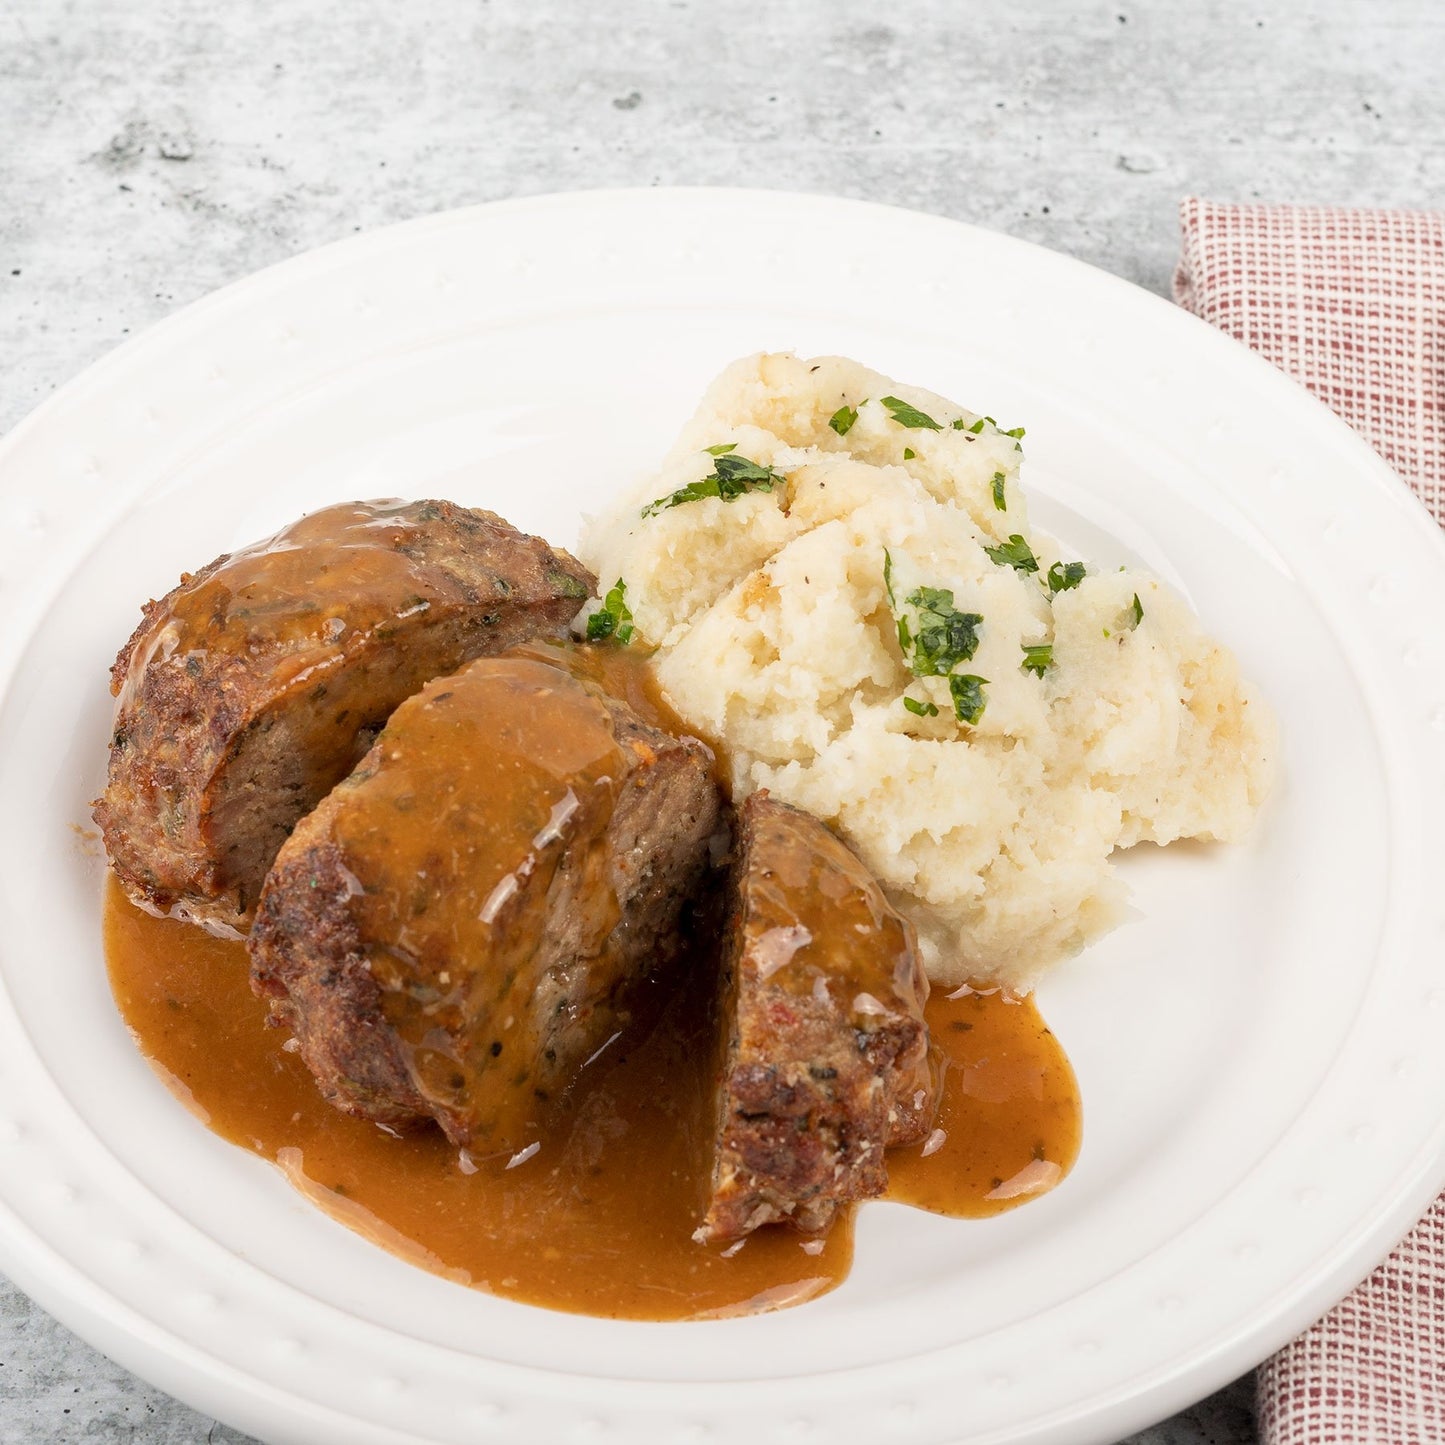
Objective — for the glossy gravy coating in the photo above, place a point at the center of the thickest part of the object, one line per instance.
(598, 1216)
(275, 592)
(599, 1220)
(478, 807)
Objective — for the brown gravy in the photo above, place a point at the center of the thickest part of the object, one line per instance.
(599, 1220)
(458, 830)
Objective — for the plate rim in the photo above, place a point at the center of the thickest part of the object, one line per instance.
(93, 1312)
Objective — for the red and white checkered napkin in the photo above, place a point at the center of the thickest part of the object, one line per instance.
(1352, 304)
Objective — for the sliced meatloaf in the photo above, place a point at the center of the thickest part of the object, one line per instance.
(823, 1048)
(465, 919)
(254, 687)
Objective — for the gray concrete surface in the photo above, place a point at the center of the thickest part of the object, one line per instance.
(151, 150)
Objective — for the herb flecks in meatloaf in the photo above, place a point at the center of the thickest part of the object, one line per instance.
(462, 923)
(253, 687)
(823, 1047)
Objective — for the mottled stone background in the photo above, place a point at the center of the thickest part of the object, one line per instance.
(151, 150)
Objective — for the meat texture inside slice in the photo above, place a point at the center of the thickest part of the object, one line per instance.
(254, 687)
(467, 918)
(823, 1046)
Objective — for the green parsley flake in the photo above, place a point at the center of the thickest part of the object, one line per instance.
(935, 637)
(1065, 575)
(932, 633)
(909, 454)
(842, 420)
(1017, 433)
(722, 449)
(1015, 553)
(968, 699)
(1000, 502)
(942, 636)
(1138, 610)
(1038, 657)
(731, 477)
(613, 618)
(909, 416)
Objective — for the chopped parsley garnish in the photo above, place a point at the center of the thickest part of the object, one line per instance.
(613, 618)
(968, 699)
(722, 449)
(842, 420)
(933, 634)
(730, 478)
(1065, 575)
(1015, 553)
(1138, 610)
(909, 416)
(941, 636)
(909, 454)
(1000, 502)
(976, 429)
(1038, 657)
(935, 637)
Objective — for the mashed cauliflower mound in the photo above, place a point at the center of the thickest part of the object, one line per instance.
(1051, 717)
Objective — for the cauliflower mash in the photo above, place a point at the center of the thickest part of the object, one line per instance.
(840, 579)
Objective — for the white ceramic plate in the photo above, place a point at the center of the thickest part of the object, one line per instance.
(1259, 1050)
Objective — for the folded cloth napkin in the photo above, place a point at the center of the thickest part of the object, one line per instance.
(1352, 304)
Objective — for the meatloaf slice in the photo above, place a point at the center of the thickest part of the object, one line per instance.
(824, 1051)
(462, 922)
(249, 691)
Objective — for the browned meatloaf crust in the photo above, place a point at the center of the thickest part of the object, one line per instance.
(253, 687)
(824, 1051)
(458, 926)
